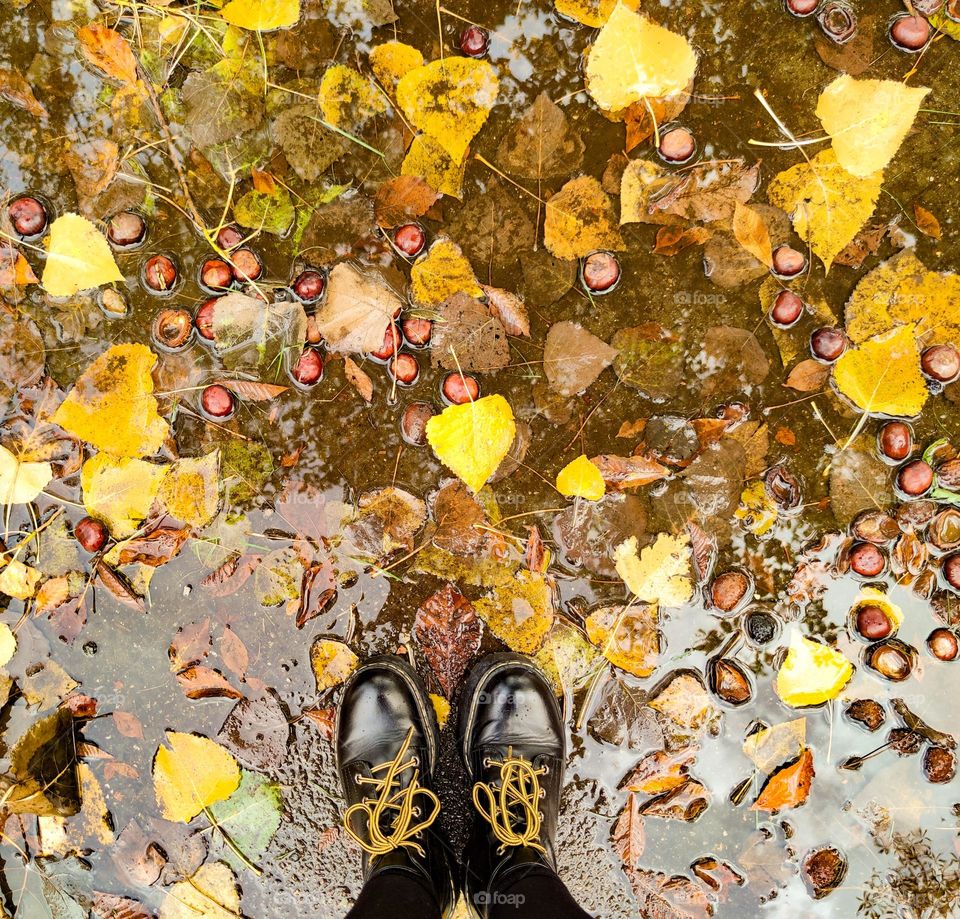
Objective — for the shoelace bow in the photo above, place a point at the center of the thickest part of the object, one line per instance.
(396, 800)
(510, 806)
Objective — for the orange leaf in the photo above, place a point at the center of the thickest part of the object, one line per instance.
(401, 199)
(788, 786)
(808, 376)
(926, 222)
(752, 233)
(263, 182)
(109, 51)
(673, 240)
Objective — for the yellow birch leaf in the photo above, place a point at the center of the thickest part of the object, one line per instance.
(593, 13)
(120, 492)
(428, 160)
(112, 406)
(347, 98)
(633, 58)
(752, 233)
(811, 673)
(579, 219)
(867, 120)
(450, 100)
(8, 644)
(471, 439)
(881, 376)
(441, 273)
(902, 290)
(757, 511)
(332, 662)
(660, 573)
(519, 612)
(190, 491)
(581, 479)
(211, 893)
(78, 257)
(393, 60)
(18, 580)
(827, 204)
(192, 773)
(642, 182)
(262, 15)
(21, 483)
(628, 636)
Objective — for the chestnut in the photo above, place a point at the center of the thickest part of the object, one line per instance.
(410, 239)
(730, 589)
(218, 402)
(229, 237)
(867, 560)
(943, 645)
(677, 145)
(600, 272)
(405, 369)
(474, 41)
(458, 388)
(28, 216)
(308, 286)
(216, 275)
(413, 423)
(246, 265)
(827, 344)
(173, 329)
(895, 441)
(872, 623)
(941, 363)
(91, 534)
(203, 319)
(160, 273)
(308, 369)
(126, 229)
(891, 659)
(788, 262)
(730, 682)
(416, 331)
(390, 346)
(786, 310)
(915, 478)
(950, 567)
(909, 33)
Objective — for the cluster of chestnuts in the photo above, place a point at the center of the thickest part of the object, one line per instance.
(908, 31)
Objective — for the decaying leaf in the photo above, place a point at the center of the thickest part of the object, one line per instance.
(519, 611)
(449, 634)
(580, 219)
(359, 307)
(628, 636)
(467, 337)
(660, 573)
(541, 145)
(573, 357)
(332, 662)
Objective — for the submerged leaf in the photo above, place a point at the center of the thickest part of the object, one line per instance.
(78, 257)
(120, 492)
(192, 773)
(449, 633)
(332, 662)
(811, 673)
(660, 573)
(211, 893)
(580, 219)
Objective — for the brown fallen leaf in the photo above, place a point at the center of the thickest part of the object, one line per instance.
(401, 199)
(229, 577)
(788, 786)
(155, 548)
(206, 683)
(668, 896)
(14, 88)
(673, 240)
(233, 652)
(660, 771)
(808, 376)
(253, 391)
(629, 471)
(128, 724)
(109, 51)
(509, 309)
(926, 222)
(629, 838)
(358, 378)
(190, 645)
(709, 191)
(120, 587)
(449, 633)
(324, 719)
(752, 233)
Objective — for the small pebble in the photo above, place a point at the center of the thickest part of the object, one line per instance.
(939, 764)
(729, 589)
(866, 712)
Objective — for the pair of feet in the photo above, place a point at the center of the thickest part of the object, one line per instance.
(512, 742)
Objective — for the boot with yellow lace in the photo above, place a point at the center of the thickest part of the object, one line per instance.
(386, 745)
(512, 740)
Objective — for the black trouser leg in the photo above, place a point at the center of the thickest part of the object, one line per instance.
(394, 894)
(534, 894)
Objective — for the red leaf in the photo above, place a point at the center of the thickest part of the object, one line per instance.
(449, 633)
(231, 575)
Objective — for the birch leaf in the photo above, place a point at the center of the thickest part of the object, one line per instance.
(21, 483)
(262, 15)
(78, 257)
(581, 479)
(192, 773)
(660, 573)
(811, 673)
(580, 219)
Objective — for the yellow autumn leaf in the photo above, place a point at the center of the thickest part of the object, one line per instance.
(642, 182)
(192, 773)
(8, 644)
(579, 219)
(471, 439)
(811, 673)
(660, 573)
(18, 580)
(827, 204)
(112, 406)
(428, 160)
(21, 483)
(190, 491)
(441, 273)
(120, 492)
(211, 892)
(867, 120)
(262, 15)
(634, 58)
(881, 376)
(519, 611)
(870, 596)
(593, 13)
(348, 99)
(902, 290)
(332, 662)
(628, 636)
(757, 511)
(78, 257)
(581, 479)
(393, 60)
(441, 708)
(450, 100)
(752, 233)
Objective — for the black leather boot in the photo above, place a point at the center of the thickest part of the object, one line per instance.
(386, 743)
(512, 740)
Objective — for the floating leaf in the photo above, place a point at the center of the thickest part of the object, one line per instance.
(347, 99)
(449, 633)
(112, 406)
(629, 838)
(811, 673)
(120, 492)
(108, 50)
(250, 817)
(752, 233)
(757, 511)
(780, 743)
(20, 482)
(17, 579)
(192, 773)
(789, 786)
(868, 120)
(262, 15)
(402, 199)
(332, 662)
(573, 358)
(211, 893)
(467, 338)
(267, 212)
(660, 573)
(628, 636)
(827, 204)
(441, 273)
(393, 60)
(471, 439)
(427, 159)
(808, 376)
(882, 376)
(191, 489)
(541, 144)
(78, 257)
(519, 611)
(450, 100)
(580, 219)
(634, 58)
(581, 479)
(358, 308)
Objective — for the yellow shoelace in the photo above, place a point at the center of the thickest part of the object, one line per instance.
(512, 803)
(392, 798)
